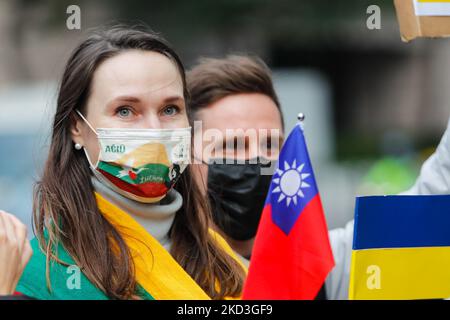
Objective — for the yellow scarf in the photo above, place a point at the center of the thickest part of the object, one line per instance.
(156, 270)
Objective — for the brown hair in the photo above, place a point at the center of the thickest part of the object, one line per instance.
(213, 79)
(65, 210)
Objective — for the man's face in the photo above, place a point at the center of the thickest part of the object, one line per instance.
(240, 126)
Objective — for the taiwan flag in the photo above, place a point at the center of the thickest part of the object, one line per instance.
(292, 254)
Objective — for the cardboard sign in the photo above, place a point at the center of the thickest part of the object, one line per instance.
(423, 18)
(432, 7)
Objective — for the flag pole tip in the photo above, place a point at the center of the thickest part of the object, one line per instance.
(301, 117)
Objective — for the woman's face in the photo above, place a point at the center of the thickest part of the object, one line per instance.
(134, 89)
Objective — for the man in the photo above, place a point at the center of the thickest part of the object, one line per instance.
(234, 98)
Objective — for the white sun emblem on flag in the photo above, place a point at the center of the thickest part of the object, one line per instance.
(290, 183)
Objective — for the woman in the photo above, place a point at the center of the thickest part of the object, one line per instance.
(117, 213)
(15, 251)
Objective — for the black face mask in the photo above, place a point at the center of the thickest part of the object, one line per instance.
(237, 193)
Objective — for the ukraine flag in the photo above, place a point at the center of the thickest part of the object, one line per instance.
(401, 248)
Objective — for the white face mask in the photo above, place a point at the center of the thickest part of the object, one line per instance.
(141, 164)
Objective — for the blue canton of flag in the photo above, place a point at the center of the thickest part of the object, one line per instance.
(293, 184)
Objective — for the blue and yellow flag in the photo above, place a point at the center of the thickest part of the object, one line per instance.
(401, 248)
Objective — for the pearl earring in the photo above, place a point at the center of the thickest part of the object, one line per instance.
(78, 146)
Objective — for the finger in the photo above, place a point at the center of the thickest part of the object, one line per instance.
(28, 252)
(14, 219)
(10, 245)
(20, 231)
(2, 227)
(26, 255)
(9, 229)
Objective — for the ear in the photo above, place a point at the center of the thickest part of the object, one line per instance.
(76, 129)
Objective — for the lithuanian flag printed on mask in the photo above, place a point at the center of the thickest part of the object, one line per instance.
(142, 172)
(401, 248)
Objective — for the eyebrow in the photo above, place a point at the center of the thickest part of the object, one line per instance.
(126, 98)
(173, 99)
(137, 100)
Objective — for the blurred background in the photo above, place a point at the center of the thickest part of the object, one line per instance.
(375, 107)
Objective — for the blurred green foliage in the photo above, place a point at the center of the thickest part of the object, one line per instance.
(389, 175)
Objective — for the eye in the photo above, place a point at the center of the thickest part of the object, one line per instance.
(124, 112)
(171, 110)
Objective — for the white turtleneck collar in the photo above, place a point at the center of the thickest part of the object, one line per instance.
(156, 218)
